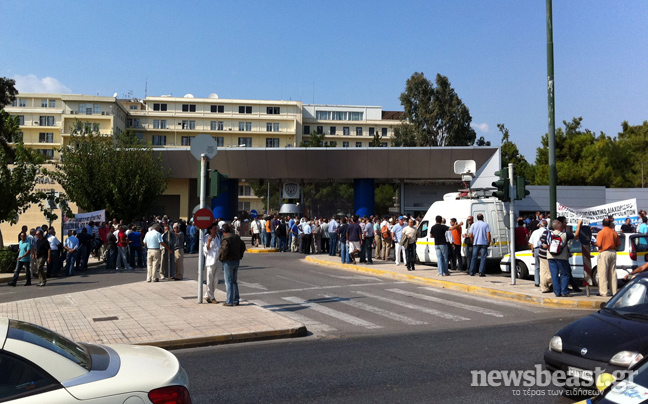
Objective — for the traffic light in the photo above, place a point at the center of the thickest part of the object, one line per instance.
(520, 187)
(502, 185)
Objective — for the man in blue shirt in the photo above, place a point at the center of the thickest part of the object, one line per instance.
(481, 238)
(135, 246)
(71, 245)
(307, 237)
(397, 232)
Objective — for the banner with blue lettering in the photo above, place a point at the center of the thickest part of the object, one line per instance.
(594, 216)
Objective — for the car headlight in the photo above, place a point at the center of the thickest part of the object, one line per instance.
(626, 359)
(555, 344)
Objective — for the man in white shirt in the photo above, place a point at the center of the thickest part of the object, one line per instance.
(332, 229)
(53, 266)
(397, 232)
(534, 240)
(211, 245)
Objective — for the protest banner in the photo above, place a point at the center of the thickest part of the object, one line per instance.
(594, 216)
(81, 220)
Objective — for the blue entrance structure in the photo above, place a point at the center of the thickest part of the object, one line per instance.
(364, 197)
(225, 205)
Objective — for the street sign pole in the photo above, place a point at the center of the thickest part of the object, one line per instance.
(512, 226)
(203, 204)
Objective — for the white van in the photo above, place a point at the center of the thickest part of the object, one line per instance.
(453, 206)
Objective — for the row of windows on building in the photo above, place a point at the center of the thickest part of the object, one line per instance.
(43, 120)
(45, 103)
(338, 116)
(218, 109)
(191, 125)
(346, 130)
(161, 140)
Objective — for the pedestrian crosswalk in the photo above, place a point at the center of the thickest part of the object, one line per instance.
(387, 306)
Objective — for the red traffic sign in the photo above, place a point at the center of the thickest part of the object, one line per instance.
(203, 218)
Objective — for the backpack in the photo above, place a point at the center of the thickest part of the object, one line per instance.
(555, 244)
(385, 232)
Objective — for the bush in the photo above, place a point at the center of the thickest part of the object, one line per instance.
(8, 260)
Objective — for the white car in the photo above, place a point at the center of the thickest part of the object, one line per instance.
(40, 366)
(630, 255)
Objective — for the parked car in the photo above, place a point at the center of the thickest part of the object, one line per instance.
(613, 339)
(630, 255)
(38, 365)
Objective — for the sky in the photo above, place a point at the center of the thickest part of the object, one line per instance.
(494, 53)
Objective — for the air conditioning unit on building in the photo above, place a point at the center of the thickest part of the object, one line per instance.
(103, 112)
(72, 112)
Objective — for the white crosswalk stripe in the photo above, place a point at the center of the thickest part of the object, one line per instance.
(376, 310)
(311, 325)
(333, 313)
(450, 303)
(484, 299)
(415, 307)
(252, 285)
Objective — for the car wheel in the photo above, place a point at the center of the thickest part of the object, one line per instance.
(594, 277)
(521, 269)
(418, 260)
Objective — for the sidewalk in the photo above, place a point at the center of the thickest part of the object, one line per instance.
(497, 286)
(164, 314)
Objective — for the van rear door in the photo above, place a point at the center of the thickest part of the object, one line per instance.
(423, 246)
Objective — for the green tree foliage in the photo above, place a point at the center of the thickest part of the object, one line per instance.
(634, 139)
(583, 158)
(511, 154)
(19, 166)
(120, 173)
(434, 115)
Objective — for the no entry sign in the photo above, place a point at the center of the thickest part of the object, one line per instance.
(203, 218)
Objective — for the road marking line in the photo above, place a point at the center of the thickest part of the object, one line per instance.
(311, 325)
(294, 280)
(349, 276)
(347, 318)
(252, 285)
(415, 307)
(322, 288)
(376, 310)
(483, 299)
(477, 309)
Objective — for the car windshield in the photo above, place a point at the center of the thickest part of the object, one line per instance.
(48, 339)
(640, 242)
(633, 298)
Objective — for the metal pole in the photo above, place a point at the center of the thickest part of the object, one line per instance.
(402, 197)
(512, 226)
(203, 204)
(553, 176)
(268, 200)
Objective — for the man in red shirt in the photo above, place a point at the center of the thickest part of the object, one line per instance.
(122, 244)
(521, 236)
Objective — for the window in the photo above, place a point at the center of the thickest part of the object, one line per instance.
(95, 127)
(46, 120)
(192, 124)
(156, 124)
(384, 132)
(345, 131)
(163, 124)
(133, 107)
(97, 108)
(355, 116)
(52, 104)
(43, 103)
(323, 115)
(245, 141)
(158, 107)
(339, 116)
(332, 130)
(213, 125)
(217, 108)
(383, 144)
(188, 107)
(423, 229)
(272, 127)
(139, 136)
(245, 109)
(186, 140)
(49, 153)
(136, 123)
(372, 131)
(244, 206)
(21, 119)
(320, 130)
(220, 125)
(186, 124)
(359, 131)
(23, 102)
(272, 142)
(220, 141)
(358, 144)
(345, 144)
(306, 130)
(82, 108)
(26, 380)
(159, 140)
(14, 103)
(273, 110)
(245, 190)
(47, 137)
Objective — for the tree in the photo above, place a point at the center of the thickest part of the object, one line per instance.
(376, 141)
(511, 154)
(433, 116)
(633, 141)
(19, 166)
(119, 174)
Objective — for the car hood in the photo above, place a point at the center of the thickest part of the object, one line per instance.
(604, 335)
(142, 368)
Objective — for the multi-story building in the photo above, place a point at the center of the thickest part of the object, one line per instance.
(47, 121)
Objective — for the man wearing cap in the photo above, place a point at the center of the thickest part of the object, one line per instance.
(153, 242)
(534, 240)
(237, 226)
(397, 233)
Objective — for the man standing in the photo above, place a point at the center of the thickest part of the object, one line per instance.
(307, 236)
(410, 234)
(122, 245)
(282, 234)
(237, 226)
(628, 227)
(294, 237)
(368, 239)
(111, 249)
(480, 235)
(24, 253)
(455, 244)
(607, 242)
(317, 237)
(71, 245)
(397, 232)
(178, 252)
(468, 246)
(54, 266)
(521, 236)
(342, 232)
(43, 255)
(153, 242)
(386, 235)
(559, 260)
(354, 235)
(438, 233)
(230, 254)
(254, 230)
(135, 247)
(333, 235)
(534, 241)
(192, 238)
(167, 265)
(211, 246)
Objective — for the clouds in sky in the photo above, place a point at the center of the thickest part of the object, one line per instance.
(32, 84)
(482, 127)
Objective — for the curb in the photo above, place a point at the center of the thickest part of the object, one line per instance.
(262, 250)
(479, 290)
(232, 338)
